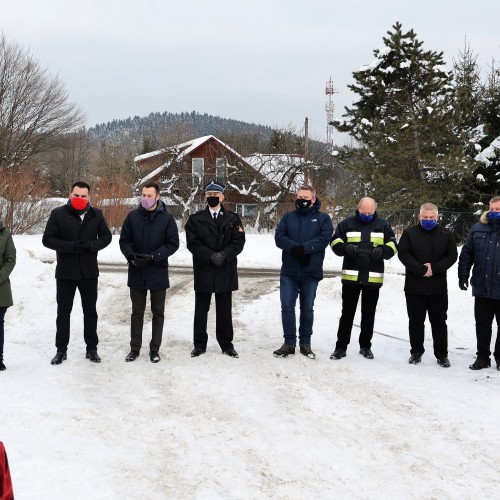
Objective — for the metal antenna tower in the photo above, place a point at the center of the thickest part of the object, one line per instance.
(329, 91)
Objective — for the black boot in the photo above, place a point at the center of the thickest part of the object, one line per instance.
(93, 356)
(59, 358)
(366, 352)
(339, 353)
(154, 357)
(2, 366)
(415, 358)
(498, 363)
(132, 356)
(480, 363)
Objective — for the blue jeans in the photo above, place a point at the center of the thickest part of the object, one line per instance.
(291, 288)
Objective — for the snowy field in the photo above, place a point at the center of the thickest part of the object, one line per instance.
(248, 428)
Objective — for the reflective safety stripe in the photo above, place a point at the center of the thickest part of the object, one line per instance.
(336, 242)
(375, 277)
(377, 238)
(350, 275)
(353, 236)
(392, 246)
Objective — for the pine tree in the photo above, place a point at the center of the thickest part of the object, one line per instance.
(403, 122)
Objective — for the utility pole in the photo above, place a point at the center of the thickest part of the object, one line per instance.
(306, 139)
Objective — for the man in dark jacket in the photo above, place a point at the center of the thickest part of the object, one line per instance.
(427, 251)
(481, 252)
(76, 231)
(149, 236)
(303, 235)
(215, 237)
(364, 240)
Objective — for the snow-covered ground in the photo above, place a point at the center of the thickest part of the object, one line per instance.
(254, 427)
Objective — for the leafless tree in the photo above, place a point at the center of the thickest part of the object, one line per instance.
(34, 107)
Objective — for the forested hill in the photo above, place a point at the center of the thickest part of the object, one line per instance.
(185, 124)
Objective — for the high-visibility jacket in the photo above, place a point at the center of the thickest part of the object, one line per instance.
(362, 269)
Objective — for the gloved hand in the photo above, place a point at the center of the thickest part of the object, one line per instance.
(350, 249)
(82, 246)
(463, 282)
(297, 251)
(218, 258)
(142, 259)
(131, 260)
(377, 252)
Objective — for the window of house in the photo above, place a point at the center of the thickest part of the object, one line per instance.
(198, 170)
(221, 169)
(246, 210)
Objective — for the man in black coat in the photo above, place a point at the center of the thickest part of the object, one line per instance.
(215, 237)
(76, 231)
(149, 236)
(427, 251)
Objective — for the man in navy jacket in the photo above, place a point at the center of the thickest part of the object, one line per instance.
(302, 234)
(149, 236)
(481, 253)
(427, 251)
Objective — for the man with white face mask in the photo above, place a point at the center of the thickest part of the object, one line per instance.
(427, 251)
(149, 236)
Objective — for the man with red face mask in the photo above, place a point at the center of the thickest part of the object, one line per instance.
(76, 231)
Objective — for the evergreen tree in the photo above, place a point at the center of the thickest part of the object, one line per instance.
(403, 123)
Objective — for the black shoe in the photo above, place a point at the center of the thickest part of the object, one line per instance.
(197, 351)
(231, 352)
(284, 351)
(366, 352)
(480, 363)
(154, 357)
(415, 358)
(59, 358)
(498, 363)
(2, 366)
(443, 361)
(93, 356)
(132, 356)
(305, 350)
(339, 354)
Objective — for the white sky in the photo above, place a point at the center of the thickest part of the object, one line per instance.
(258, 61)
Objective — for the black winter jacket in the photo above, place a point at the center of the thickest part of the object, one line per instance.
(307, 227)
(152, 233)
(417, 247)
(204, 237)
(63, 228)
(482, 250)
(361, 269)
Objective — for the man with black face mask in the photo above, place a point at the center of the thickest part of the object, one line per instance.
(215, 236)
(303, 235)
(481, 253)
(76, 231)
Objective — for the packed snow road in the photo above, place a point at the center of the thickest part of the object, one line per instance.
(253, 427)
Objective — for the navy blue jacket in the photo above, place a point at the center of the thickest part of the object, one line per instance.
(482, 250)
(307, 227)
(150, 233)
(361, 269)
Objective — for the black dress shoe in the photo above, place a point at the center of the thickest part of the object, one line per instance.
(93, 356)
(443, 361)
(154, 357)
(498, 363)
(59, 358)
(366, 352)
(231, 352)
(132, 356)
(480, 363)
(197, 351)
(339, 354)
(415, 358)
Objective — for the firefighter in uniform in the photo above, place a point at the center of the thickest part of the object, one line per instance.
(364, 240)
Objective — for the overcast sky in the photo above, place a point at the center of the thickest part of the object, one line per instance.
(262, 61)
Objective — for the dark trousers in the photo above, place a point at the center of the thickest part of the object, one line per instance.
(3, 310)
(223, 319)
(138, 297)
(350, 297)
(437, 307)
(484, 312)
(65, 295)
